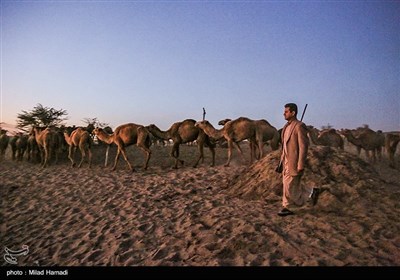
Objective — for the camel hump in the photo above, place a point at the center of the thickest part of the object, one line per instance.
(189, 121)
(266, 122)
(242, 119)
(126, 126)
(142, 129)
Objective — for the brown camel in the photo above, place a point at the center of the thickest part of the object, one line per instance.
(18, 145)
(4, 139)
(234, 132)
(124, 136)
(365, 129)
(368, 140)
(391, 142)
(265, 132)
(224, 121)
(79, 138)
(32, 149)
(326, 137)
(184, 132)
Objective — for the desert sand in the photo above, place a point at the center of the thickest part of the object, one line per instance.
(204, 216)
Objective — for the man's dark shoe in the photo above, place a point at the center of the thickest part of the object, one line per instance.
(314, 195)
(285, 212)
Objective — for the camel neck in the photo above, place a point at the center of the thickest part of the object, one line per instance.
(67, 138)
(106, 138)
(165, 135)
(213, 132)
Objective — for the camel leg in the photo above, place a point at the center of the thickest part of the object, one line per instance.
(121, 150)
(359, 151)
(116, 159)
(22, 154)
(379, 152)
(83, 155)
(28, 150)
(147, 151)
(55, 151)
(391, 159)
(212, 149)
(13, 153)
(240, 152)
(46, 156)
(373, 156)
(141, 143)
(106, 160)
(126, 159)
(261, 149)
(201, 153)
(230, 147)
(71, 152)
(252, 151)
(175, 154)
(41, 154)
(90, 157)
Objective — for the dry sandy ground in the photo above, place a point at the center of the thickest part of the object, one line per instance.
(205, 216)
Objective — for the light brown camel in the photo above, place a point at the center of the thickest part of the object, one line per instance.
(184, 132)
(47, 141)
(326, 137)
(124, 136)
(368, 140)
(234, 132)
(391, 142)
(79, 138)
(4, 140)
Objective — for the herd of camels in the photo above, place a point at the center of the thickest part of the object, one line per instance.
(48, 141)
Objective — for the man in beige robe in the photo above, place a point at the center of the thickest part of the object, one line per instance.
(294, 153)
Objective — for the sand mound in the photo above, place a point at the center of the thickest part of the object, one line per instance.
(343, 178)
(198, 216)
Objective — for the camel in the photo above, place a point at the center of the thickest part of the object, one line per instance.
(181, 133)
(264, 132)
(4, 139)
(32, 149)
(234, 132)
(18, 145)
(47, 141)
(79, 138)
(224, 121)
(326, 137)
(362, 129)
(391, 142)
(368, 140)
(124, 136)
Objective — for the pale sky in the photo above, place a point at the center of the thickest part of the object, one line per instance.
(163, 61)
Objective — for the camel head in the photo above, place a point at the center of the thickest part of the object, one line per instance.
(152, 127)
(224, 121)
(345, 132)
(97, 130)
(202, 124)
